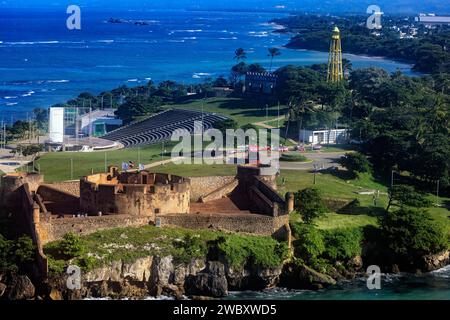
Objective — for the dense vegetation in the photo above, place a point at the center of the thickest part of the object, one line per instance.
(428, 49)
(128, 244)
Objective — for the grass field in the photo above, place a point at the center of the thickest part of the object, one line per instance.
(56, 166)
(235, 108)
(196, 170)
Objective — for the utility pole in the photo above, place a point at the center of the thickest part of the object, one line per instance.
(392, 179)
(71, 168)
(278, 118)
(437, 189)
(139, 156)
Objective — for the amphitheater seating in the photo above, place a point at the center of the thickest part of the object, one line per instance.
(160, 127)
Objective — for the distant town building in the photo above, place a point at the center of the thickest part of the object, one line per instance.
(331, 136)
(431, 18)
(260, 83)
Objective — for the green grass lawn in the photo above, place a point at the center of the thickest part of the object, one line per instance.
(56, 166)
(196, 170)
(238, 109)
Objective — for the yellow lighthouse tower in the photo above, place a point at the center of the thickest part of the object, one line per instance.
(335, 69)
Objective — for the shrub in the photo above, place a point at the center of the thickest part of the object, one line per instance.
(309, 204)
(309, 243)
(71, 246)
(24, 250)
(355, 163)
(404, 195)
(262, 252)
(293, 157)
(191, 246)
(343, 244)
(14, 253)
(411, 233)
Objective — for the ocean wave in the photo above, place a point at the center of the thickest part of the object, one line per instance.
(10, 97)
(133, 80)
(11, 104)
(188, 30)
(56, 81)
(104, 41)
(190, 38)
(442, 273)
(110, 66)
(176, 40)
(31, 42)
(28, 94)
(232, 38)
(259, 34)
(198, 75)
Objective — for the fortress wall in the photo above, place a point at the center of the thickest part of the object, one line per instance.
(71, 187)
(11, 183)
(50, 193)
(57, 228)
(245, 223)
(221, 192)
(202, 186)
(138, 199)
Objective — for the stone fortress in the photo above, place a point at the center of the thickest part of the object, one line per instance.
(245, 203)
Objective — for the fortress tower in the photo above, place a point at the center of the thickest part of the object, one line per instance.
(335, 69)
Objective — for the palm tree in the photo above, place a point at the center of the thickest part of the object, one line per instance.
(297, 109)
(273, 52)
(240, 54)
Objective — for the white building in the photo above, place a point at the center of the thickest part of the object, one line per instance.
(331, 136)
(94, 123)
(56, 125)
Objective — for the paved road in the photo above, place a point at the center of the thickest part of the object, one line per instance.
(325, 159)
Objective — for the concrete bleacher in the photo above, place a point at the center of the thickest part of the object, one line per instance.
(159, 127)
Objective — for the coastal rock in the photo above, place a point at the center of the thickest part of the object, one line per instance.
(55, 295)
(21, 288)
(298, 276)
(139, 270)
(196, 266)
(2, 289)
(255, 279)
(436, 261)
(112, 272)
(162, 271)
(209, 282)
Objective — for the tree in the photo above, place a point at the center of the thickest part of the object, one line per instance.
(255, 67)
(71, 246)
(355, 163)
(32, 150)
(220, 82)
(14, 253)
(409, 234)
(310, 205)
(237, 71)
(240, 54)
(273, 52)
(404, 195)
(138, 106)
(309, 243)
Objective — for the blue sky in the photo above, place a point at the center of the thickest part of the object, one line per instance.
(354, 6)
